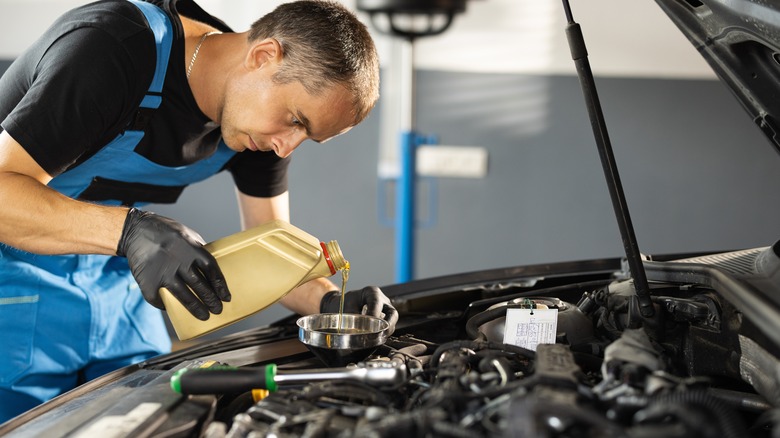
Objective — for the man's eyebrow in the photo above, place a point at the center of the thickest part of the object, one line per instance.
(306, 125)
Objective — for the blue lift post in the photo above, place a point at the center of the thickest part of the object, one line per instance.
(406, 184)
(405, 203)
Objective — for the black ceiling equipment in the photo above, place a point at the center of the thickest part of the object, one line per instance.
(439, 15)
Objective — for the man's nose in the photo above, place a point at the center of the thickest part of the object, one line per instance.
(289, 143)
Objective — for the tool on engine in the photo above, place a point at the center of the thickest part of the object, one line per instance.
(232, 380)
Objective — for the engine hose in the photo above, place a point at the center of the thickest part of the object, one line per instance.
(546, 292)
(729, 424)
(758, 367)
(472, 325)
(496, 363)
(413, 350)
(740, 400)
(478, 345)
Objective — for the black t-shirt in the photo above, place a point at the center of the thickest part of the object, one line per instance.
(79, 85)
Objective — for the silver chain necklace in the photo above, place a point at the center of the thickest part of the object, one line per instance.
(197, 49)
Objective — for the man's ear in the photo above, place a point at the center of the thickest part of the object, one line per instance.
(262, 52)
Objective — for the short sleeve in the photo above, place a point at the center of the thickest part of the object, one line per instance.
(82, 92)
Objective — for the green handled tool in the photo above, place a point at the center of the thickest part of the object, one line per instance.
(232, 380)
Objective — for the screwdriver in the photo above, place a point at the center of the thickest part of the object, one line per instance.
(232, 380)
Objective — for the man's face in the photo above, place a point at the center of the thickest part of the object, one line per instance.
(261, 115)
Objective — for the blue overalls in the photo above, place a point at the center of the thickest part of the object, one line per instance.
(69, 318)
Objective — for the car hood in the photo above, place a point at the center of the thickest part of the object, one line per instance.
(740, 39)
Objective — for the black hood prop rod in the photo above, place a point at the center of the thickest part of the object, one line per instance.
(579, 54)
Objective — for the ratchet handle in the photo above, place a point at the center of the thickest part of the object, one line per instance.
(223, 380)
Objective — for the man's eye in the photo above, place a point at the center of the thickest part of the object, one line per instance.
(295, 121)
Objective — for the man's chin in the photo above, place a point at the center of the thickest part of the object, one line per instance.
(234, 146)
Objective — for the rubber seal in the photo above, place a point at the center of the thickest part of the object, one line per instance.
(327, 258)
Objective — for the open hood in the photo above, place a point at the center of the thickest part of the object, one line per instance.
(740, 39)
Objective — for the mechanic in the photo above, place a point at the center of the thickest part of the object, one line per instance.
(123, 103)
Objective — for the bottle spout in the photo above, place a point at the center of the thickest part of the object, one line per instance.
(334, 256)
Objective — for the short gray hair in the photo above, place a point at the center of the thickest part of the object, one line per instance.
(323, 44)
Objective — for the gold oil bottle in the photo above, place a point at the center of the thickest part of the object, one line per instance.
(261, 265)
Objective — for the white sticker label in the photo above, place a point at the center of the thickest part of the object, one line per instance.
(528, 328)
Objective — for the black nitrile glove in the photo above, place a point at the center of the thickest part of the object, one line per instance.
(164, 253)
(368, 301)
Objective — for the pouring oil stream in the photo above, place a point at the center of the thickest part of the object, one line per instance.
(344, 278)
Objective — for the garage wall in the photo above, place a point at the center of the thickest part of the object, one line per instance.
(697, 175)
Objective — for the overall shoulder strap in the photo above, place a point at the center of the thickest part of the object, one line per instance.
(161, 25)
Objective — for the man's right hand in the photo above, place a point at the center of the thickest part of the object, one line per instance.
(164, 253)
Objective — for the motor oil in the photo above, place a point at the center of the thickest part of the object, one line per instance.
(261, 265)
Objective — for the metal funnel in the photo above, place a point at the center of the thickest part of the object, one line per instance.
(356, 338)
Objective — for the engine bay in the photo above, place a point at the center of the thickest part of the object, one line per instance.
(698, 368)
(704, 365)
